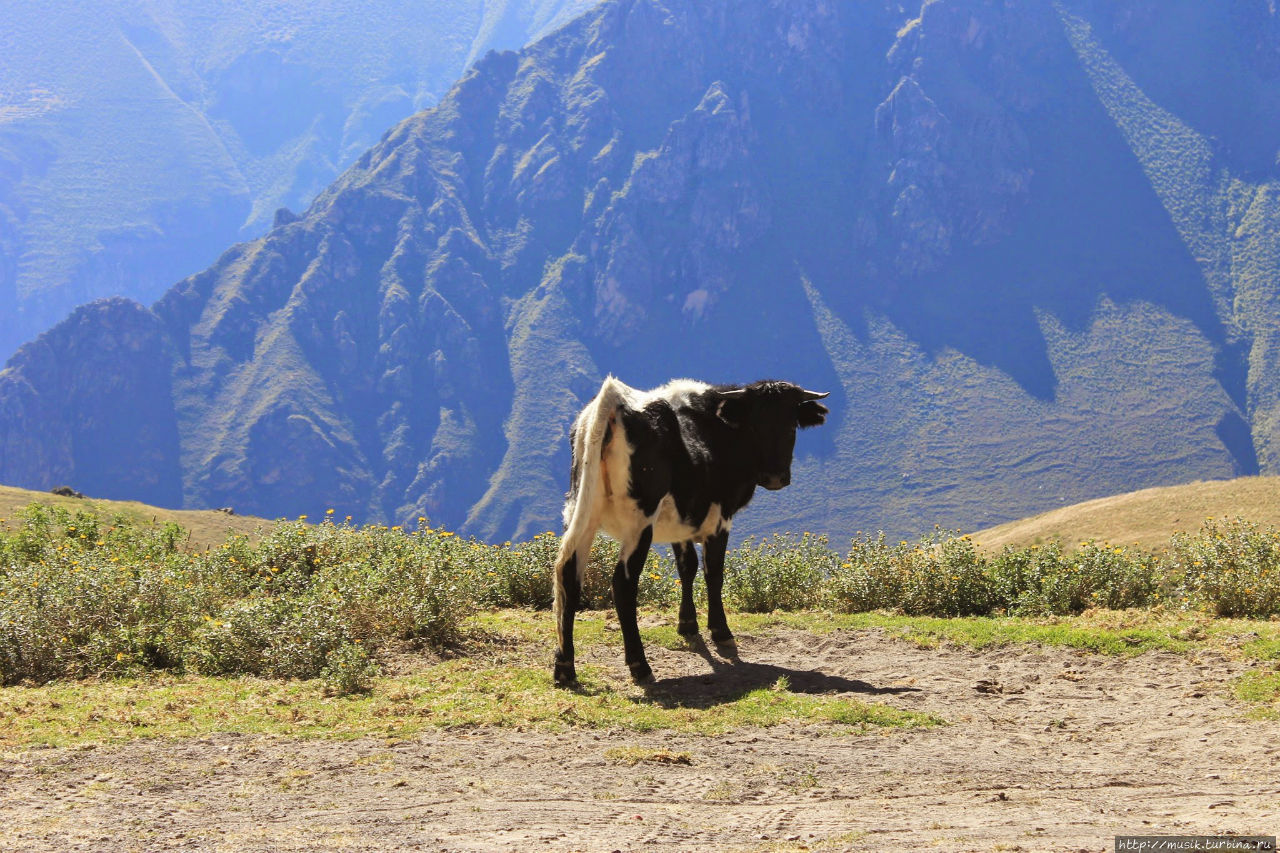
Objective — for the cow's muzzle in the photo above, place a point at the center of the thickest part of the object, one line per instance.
(773, 482)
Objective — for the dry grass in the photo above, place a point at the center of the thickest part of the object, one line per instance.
(1146, 519)
(207, 527)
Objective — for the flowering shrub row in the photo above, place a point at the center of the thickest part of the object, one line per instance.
(82, 595)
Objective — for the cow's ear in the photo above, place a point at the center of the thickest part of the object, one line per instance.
(811, 413)
(733, 409)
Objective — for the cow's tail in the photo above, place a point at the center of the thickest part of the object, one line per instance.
(593, 431)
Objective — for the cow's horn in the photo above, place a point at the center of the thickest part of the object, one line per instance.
(814, 395)
(737, 392)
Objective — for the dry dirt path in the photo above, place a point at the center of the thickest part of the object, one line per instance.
(1047, 749)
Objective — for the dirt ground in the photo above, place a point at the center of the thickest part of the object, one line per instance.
(1047, 749)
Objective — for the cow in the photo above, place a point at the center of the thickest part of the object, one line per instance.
(670, 465)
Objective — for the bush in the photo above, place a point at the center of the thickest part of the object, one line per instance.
(778, 573)
(392, 585)
(80, 597)
(83, 596)
(520, 575)
(1041, 581)
(939, 575)
(348, 670)
(1231, 569)
(274, 637)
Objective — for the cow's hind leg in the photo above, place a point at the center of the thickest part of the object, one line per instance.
(626, 584)
(713, 552)
(686, 554)
(568, 595)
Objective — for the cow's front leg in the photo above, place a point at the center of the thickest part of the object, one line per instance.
(713, 552)
(626, 585)
(686, 554)
(568, 593)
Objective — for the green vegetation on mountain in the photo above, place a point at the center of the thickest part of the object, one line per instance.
(1032, 271)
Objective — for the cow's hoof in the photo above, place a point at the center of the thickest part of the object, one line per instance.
(723, 637)
(641, 673)
(687, 628)
(565, 675)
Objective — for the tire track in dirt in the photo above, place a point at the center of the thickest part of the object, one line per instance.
(1047, 749)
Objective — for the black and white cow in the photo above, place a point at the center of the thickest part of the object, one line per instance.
(670, 465)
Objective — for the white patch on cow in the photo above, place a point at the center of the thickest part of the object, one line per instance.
(670, 527)
(677, 392)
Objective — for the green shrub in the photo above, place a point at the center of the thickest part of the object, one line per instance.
(1231, 569)
(348, 670)
(388, 584)
(520, 575)
(275, 637)
(1043, 580)
(82, 595)
(939, 575)
(660, 582)
(778, 573)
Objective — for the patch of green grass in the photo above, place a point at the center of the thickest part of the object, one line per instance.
(1113, 632)
(981, 632)
(1110, 632)
(1266, 646)
(1262, 689)
(521, 629)
(501, 679)
(457, 693)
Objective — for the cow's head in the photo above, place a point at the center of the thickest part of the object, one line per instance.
(768, 414)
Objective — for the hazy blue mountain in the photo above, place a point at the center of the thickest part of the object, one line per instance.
(1033, 251)
(138, 138)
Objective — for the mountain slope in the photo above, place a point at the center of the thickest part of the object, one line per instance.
(1027, 282)
(139, 137)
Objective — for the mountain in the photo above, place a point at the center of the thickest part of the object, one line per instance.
(1031, 249)
(138, 138)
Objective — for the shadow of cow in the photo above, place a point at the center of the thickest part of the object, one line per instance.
(732, 678)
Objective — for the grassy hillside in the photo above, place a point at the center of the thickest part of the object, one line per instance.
(207, 527)
(1145, 518)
